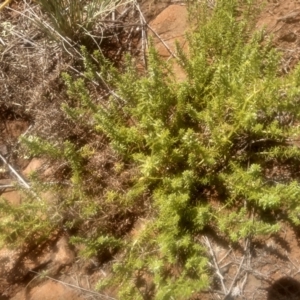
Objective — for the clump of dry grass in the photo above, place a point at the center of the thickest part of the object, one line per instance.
(32, 54)
(76, 22)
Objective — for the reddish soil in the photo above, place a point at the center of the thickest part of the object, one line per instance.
(48, 290)
(269, 269)
(281, 19)
(170, 26)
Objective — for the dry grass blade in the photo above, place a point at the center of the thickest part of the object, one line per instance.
(102, 296)
(246, 249)
(19, 177)
(21, 181)
(73, 19)
(216, 265)
(6, 2)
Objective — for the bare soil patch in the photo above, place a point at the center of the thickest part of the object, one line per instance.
(281, 20)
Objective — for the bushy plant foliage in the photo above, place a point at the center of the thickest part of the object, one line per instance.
(217, 150)
(29, 220)
(219, 134)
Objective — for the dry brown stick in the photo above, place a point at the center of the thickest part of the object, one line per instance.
(19, 177)
(126, 41)
(88, 281)
(218, 272)
(23, 38)
(237, 272)
(6, 186)
(260, 275)
(112, 92)
(144, 33)
(92, 37)
(162, 41)
(156, 34)
(74, 286)
(144, 42)
(123, 14)
(6, 2)
(227, 253)
(141, 13)
(295, 266)
(244, 282)
(11, 46)
(144, 45)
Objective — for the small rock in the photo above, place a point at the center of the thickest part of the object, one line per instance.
(13, 197)
(290, 37)
(171, 25)
(33, 166)
(64, 255)
(49, 172)
(3, 150)
(8, 258)
(48, 290)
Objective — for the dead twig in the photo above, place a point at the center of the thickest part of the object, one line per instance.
(227, 253)
(19, 178)
(259, 275)
(162, 41)
(144, 33)
(238, 271)
(6, 186)
(243, 283)
(112, 92)
(6, 2)
(218, 272)
(17, 175)
(295, 266)
(74, 286)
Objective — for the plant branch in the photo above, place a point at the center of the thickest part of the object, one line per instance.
(218, 271)
(238, 271)
(162, 41)
(17, 175)
(6, 2)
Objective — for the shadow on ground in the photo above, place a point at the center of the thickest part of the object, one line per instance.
(285, 288)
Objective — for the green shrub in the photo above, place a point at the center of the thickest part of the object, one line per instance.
(220, 132)
(27, 223)
(216, 150)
